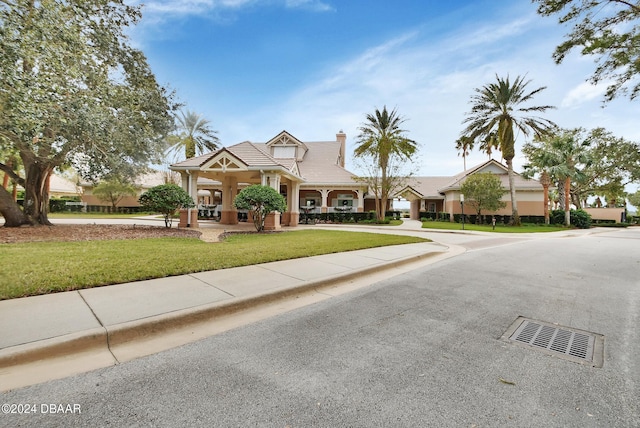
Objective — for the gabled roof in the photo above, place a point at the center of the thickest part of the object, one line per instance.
(436, 187)
(243, 155)
(60, 185)
(426, 187)
(497, 168)
(317, 163)
(285, 139)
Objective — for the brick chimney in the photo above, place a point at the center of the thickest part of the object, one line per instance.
(341, 138)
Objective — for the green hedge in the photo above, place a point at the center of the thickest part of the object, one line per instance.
(579, 218)
(338, 217)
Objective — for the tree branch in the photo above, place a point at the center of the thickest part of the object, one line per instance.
(11, 173)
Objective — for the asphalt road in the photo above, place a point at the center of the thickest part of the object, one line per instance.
(420, 349)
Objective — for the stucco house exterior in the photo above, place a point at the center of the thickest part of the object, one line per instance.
(310, 175)
(442, 193)
(141, 183)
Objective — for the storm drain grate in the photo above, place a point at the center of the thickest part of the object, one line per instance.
(575, 345)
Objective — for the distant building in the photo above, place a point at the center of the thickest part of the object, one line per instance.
(142, 184)
(442, 194)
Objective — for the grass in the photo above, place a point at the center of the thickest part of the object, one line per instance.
(500, 228)
(47, 267)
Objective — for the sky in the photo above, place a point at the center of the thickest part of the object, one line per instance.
(315, 67)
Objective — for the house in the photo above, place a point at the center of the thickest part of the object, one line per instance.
(442, 194)
(61, 187)
(142, 184)
(310, 175)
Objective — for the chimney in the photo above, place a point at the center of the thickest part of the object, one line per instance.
(341, 138)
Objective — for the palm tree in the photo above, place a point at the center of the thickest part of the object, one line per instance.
(562, 158)
(463, 145)
(496, 107)
(383, 140)
(195, 136)
(489, 143)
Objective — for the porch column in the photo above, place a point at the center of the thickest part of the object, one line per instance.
(229, 214)
(414, 213)
(360, 194)
(272, 222)
(293, 202)
(189, 216)
(325, 194)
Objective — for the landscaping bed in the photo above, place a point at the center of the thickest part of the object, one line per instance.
(90, 232)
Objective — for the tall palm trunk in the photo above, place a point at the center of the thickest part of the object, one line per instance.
(567, 201)
(545, 180)
(512, 191)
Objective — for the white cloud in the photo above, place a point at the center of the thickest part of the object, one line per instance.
(314, 5)
(430, 80)
(431, 84)
(582, 93)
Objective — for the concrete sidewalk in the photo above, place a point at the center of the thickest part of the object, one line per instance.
(108, 325)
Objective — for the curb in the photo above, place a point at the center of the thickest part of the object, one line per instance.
(119, 334)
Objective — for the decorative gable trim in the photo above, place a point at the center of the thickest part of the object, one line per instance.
(408, 190)
(224, 161)
(284, 139)
(295, 170)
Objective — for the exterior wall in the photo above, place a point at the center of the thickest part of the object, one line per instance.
(370, 205)
(614, 214)
(529, 203)
(127, 201)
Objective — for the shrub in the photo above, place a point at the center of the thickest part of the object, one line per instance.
(166, 199)
(578, 218)
(260, 200)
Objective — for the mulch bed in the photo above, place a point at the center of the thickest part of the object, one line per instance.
(90, 232)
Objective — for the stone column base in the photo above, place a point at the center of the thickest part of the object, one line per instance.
(294, 219)
(272, 222)
(184, 216)
(229, 217)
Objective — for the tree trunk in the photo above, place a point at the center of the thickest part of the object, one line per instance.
(567, 201)
(36, 197)
(546, 204)
(512, 189)
(545, 181)
(380, 208)
(10, 210)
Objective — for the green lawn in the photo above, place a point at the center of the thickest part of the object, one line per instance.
(45, 267)
(525, 228)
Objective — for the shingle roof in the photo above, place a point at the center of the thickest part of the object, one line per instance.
(435, 187)
(318, 166)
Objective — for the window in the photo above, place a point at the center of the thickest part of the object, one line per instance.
(285, 152)
(344, 200)
(432, 207)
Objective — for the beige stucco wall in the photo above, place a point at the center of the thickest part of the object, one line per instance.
(529, 203)
(127, 201)
(614, 214)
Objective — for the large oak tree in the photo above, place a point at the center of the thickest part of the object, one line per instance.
(73, 91)
(608, 31)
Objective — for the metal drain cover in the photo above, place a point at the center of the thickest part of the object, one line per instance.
(563, 342)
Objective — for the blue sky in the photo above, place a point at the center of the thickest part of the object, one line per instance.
(314, 67)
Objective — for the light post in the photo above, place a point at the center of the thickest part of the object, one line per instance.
(462, 208)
